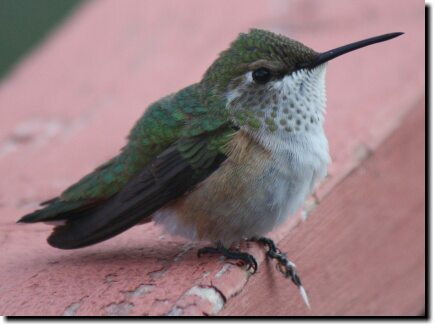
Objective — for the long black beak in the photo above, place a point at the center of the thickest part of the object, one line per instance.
(331, 54)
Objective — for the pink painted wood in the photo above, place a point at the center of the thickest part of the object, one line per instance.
(69, 105)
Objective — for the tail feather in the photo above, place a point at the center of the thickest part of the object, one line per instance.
(167, 177)
(142, 196)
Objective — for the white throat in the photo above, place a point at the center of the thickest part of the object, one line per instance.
(289, 111)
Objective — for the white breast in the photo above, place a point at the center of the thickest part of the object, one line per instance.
(302, 162)
(291, 131)
(299, 146)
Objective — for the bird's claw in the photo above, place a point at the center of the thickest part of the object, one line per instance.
(250, 263)
(244, 257)
(284, 265)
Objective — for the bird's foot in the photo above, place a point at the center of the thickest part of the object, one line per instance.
(284, 265)
(244, 257)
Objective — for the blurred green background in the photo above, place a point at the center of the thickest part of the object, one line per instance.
(25, 23)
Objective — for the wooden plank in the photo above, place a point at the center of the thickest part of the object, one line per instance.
(68, 107)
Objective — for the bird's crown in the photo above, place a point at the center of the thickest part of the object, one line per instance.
(255, 49)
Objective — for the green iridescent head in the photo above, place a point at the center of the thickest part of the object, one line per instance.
(253, 50)
(272, 83)
(252, 77)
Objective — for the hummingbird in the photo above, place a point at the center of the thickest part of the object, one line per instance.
(224, 160)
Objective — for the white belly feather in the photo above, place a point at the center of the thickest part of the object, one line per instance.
(263, 202)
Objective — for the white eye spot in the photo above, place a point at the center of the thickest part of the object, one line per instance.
(248, 78)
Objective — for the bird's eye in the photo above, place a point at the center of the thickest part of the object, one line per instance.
(261, 75)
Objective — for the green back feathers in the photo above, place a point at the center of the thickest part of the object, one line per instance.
(178, 116)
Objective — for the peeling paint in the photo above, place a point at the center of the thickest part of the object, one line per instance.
(187, 305)
(184, 249)
(155, 275)
(211, 295)
(72, 308)
(119, 309)
(140, 290)
(175, 311)
(222, 270)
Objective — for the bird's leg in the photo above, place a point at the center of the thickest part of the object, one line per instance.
(285, 266)
(248, 259)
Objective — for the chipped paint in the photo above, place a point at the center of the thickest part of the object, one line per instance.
(83, 271)
(119, 309)
(211, 295)
(175, 311)
(156, 274)
(222, 270)
(72, 309)
(184, 249)
(140, 290)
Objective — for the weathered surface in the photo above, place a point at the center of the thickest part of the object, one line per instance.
(68, 107)
(362, 252)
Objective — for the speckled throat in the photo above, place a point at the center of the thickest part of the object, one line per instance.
(281, 109)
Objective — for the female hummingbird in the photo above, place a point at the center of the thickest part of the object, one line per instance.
(226, 159)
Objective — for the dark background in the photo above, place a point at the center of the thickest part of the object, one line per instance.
(24, 23)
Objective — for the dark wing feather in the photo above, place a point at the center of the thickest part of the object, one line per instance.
(178, 142)
(168, 176)
(178, 116)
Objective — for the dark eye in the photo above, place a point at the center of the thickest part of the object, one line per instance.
(261, 75)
